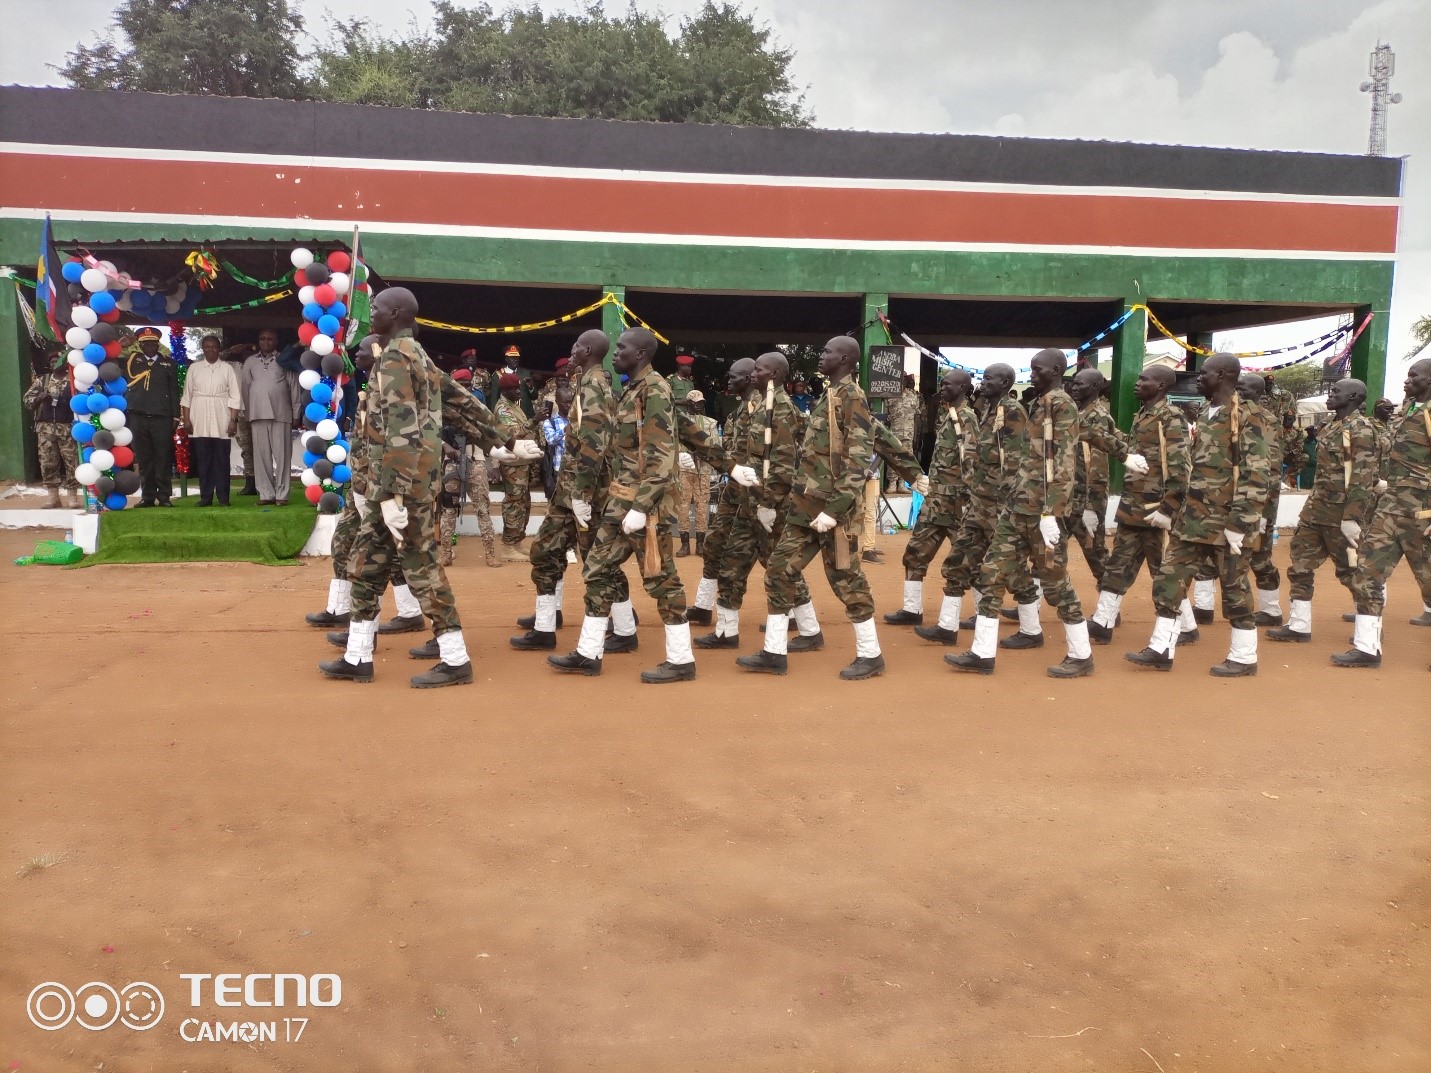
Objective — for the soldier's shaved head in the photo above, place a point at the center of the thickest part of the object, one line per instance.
(1046, 369)
(393, 310)
(1346, 395)
(840, 357)
(1087, 386)
(1418, 380)
(634, 350)
(956, 386)
(1251, 386)
(594, 340)
(1217, 379)
(771, 365)
(998, 378)
(738, 377)
(1161, 375)
(1154, 382)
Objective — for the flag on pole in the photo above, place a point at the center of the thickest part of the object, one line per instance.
(360, 300)
(52, 293)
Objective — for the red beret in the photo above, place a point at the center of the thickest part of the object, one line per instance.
(462, 374)
(510, 380)
(470, 352)
(562, 363)
(685, 359)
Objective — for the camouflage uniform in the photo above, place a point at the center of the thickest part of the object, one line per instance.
(57, 449)
(731, 500)
(1399, 525)
(943, 511)
(903, 418)
(245, 442)
(829, 479)
(517, 504)
(693, 487)
(1259, 544)
(478, 493)
(1090, 486)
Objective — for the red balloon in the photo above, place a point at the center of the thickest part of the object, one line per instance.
(300, 277)
(338, 261)
(123, 456)
(113, 349)
(325, 295)
(110, 317)
(313, 492)
(306, 332)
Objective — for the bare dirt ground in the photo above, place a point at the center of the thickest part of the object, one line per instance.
(1134, 872)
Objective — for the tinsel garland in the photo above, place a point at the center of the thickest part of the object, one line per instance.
(181, 450)
(179, 350)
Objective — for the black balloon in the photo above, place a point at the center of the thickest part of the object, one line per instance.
(310, 359)
(330, 503)
(108, 371)
(318, 273)
(77, 293)
(323, 468)
(332, 365)
(316, 445)
(103, 440)
(105, 484)
(103, 333)
(126, 481)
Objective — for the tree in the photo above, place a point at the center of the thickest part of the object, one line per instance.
(1302, 380)
(230, 48)
(1420, 336)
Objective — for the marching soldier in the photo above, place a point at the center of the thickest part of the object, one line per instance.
(1088, 514)
(740, 383)
(1156, 479)
(1032, 530)
(464, 481)
(517, 504)
(1338, 508)
(1227, 489)
(1253, 389)
(693, 484)
(1401, 524)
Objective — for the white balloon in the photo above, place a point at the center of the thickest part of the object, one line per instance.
(322, 345)
(337, 453)
(77, 337)
(85, 374)
(113, 420)
(76, 358)
(123, 437)
(108, 266)
(305, 294)
(327, 428)
(301, 257)
(84, 316)
(307, 378)
(309, 478)
(341, 282)
(87, 473)
(94, 279)
(101, 460)
(172, 303)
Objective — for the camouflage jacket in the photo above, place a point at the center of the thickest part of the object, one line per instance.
(904, 412)
(1155, 428)
(1291, 449)
(589, 435)
(643, 447)
(1002, 427)
(1408, 463)
(830, 476)
(1033, 491)
(1383, 446)
(401, 423)
(889, 446)
(783, 456)
(515, 418)
(699, 436)
(1215, 501)
(1090, 461)
(954, 450)
(1342, 490)
(741, 444)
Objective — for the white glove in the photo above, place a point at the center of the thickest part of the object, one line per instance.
(1090, 520)
(1234, 541)
(360, 502)
(1159, 520)
(581, 510)
(1048, 528)
(744, 476)
(1380, 487)
(501, 454)
(766, 517)
(395, 518)
(1262, 525)
(686, 461)
(823, 523)
(922, 485)
(634, 522)
(526, 450)
(1352, 531)
(1136, 465)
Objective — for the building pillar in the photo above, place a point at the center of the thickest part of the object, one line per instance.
(871, 334)
(1368, 356)
(17, 446)
(612, 325)
(1129, 351)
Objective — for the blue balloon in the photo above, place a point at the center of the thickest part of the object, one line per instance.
(115, 501)
(97, 403)
(79, 404)
(93, 353)
(118, 402)
(342, 474)
(85, 452)
(102, 302)
(328, 325)
(117, 386)
(82, 431)
(315, 411)
(72, 270)
(337, 309)
(312, 311)
(309, 458)
(322, 393)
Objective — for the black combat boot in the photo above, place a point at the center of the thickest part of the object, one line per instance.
(970, 663)
(576, 663)
(1146, 657)
(685, 548)
(803, 643)
(863, 667)
(444, 674)
(431, 650)
(529, 622)
(401, 624)
(351, 672)
(938, 634)
(764, 662)
(665, 672)
(904, 618)
(717, 640)
(326, 620)
(534, 640)
(614, 643)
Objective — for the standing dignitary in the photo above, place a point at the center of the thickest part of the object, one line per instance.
(732, 499)
(1227, 490)
(1339, 507)
(1088, 514)
(210, 406)
(1157, 462)
(693, 485)
(824, 505)
(1401, 524)
(1031, 530)
(48, 400)
(153, 415)
(517, 503)
(943, 510)
(270, 400)
(642, 457)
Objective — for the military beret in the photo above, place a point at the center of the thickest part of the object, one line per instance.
(470, 352)
(685, 359)
(562, 363)
(510, 380)
(462, 374)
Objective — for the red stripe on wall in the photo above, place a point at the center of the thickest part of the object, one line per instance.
(190, 188)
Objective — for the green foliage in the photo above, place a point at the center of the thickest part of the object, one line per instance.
(1301, 380)
(231, 48)
(1421, 335)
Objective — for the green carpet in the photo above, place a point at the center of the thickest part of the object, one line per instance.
(188, 533)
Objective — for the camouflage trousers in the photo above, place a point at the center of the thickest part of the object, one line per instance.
(344, 533)
(784, 581)
(1186, 560)
(747, 544)
(904, 431)
(1312, 545)
(606, 582)
(967, 550)
(374, 559)
(245, 442)
(1017, 545)
(1094, 545)
(1133, 545)
(59, 455)
(517, 506)
(1259, 559)
(938, 521)
(478, 495)
(1387, 539)
(693, 490)
(713, 550)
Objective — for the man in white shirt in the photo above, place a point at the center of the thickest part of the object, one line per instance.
(210, 408)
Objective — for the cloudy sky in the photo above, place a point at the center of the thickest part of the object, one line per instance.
(1275, 74)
